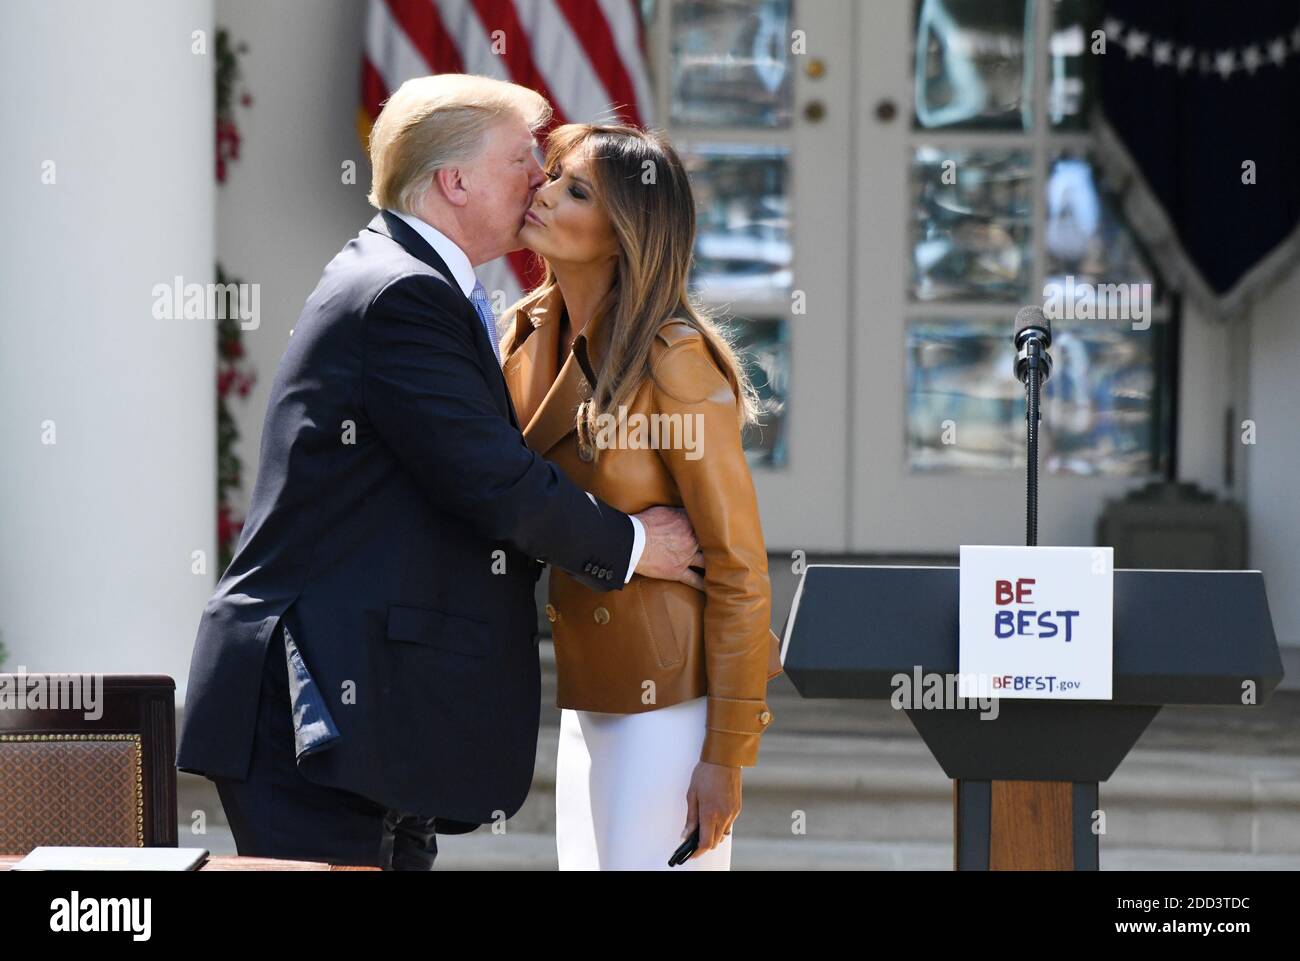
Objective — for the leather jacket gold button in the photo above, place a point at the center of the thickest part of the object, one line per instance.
(656, 643)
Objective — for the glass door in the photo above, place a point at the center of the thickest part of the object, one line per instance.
(756, 95)
(980, 192)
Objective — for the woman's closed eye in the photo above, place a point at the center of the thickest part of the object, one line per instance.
(574, 192)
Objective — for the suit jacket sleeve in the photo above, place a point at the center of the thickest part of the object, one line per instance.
(429, 398)
(718, 493)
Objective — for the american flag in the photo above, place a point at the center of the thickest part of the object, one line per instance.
(587, 57)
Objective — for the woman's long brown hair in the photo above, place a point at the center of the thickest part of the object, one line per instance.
(642, 185)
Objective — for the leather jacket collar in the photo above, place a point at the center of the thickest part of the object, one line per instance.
(531, 347)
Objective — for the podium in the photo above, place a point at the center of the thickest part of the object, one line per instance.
(1025, 785)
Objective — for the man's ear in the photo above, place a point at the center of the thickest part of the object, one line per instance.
(450, 183)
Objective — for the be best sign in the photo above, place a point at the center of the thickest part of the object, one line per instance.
(1036, 622)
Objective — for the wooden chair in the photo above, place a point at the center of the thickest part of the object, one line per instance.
(66, 778)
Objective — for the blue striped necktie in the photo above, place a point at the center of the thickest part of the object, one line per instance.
(479, 298)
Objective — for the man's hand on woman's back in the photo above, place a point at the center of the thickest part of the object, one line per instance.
(670, 547)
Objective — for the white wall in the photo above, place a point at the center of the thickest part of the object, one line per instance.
(98, 527)
(284, 211)
(1253, 365)
(1204, 392)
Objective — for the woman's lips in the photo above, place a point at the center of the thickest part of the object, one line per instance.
(532, 218)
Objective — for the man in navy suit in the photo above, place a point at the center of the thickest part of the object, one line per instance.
(366, 672)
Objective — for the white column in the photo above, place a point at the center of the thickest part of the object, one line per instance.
(98, 528)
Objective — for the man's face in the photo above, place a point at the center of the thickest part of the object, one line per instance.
(502, 183)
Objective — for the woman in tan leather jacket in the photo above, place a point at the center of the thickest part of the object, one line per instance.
(632, 391)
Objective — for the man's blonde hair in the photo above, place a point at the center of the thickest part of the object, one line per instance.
(438, 121)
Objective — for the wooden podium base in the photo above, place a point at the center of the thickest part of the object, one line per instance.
(1024, 825)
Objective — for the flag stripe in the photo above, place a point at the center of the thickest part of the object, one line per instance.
(590, 27)
(563, 61)
(640, 24)
(516, 53)
(390, 48)
(472, 39)
(423, 26)
(587, 57)
(629, 37)
(373, 90)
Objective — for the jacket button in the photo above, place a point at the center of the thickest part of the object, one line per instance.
(551, 615)
(601, 615)
(765, 718)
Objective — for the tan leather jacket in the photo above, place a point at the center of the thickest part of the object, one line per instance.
(656, 643)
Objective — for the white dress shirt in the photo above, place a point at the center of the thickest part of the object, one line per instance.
(463, 272)
(446, 248)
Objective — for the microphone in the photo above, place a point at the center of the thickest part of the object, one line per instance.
(1032, 338)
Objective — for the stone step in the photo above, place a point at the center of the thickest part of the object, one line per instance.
(845, 790)
(838, 789)
(1202, 783)
(517, 851)
(479, 851)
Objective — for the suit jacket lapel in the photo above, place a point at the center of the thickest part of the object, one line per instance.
(402, 233)
(397, 229)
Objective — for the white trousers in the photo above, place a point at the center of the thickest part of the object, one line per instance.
(620, 789)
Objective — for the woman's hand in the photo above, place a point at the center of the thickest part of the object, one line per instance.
(713, 803)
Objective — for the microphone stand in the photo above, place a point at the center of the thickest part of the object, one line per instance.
(1033, 384)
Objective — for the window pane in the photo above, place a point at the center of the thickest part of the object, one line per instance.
(1102, 409)
(1069, 65)
(971, 69)
(730, 63)
(742, 242)
(971, 214)
(962, 396)
(1085, 241)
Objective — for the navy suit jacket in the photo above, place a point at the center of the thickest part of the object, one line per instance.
(394, 485)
